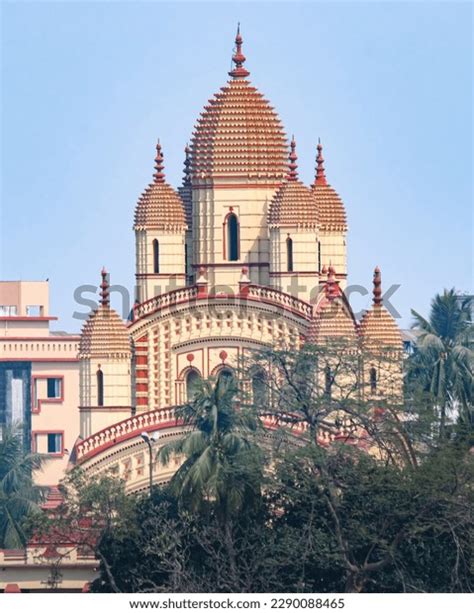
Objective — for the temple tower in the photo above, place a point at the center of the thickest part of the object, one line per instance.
(238, 154)
(160, 237)
(332, 222)
(293, 224)
(105, 353)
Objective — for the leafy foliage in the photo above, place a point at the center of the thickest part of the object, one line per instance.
(242, 515)
(19, 498)
(222, 462)
(442, 366)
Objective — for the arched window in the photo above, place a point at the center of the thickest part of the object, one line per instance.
(100, 388)
(225, 375)
(232, 237)
(289, 254)
(259, 389)
(328, 381)
(373, 380)
(156, 256)
(193, 384)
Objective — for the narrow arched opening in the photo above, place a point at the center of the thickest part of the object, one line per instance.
(232, 237)
(328, 381)
(225, 375)
(156, 256)
(373, 380)
(289, 254)
(259, 389)
(100, 388)
(193, 385)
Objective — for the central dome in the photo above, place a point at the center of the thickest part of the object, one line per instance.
(239, 135)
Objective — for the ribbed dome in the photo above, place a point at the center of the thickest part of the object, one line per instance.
(332, 321)
(104, 335)
(239, 135)
(331, 211)
(293, 205)
(159, 207)
(332, 315)
(377, 325)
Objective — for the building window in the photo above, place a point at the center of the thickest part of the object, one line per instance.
(55, 443)
(328, 381)
(8, 310)
(259, 389)
(100, 388)
(232, 238)
(373, 380)
(289, 254)
(34, 310)
(156, 256)
(54, 388)
(225, 376)
(193, 385)
(319, 256)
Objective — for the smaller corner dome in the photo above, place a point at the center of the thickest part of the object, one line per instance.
(332, 314)
(332, 214)
(293, 205)
(377, 326)
(105, 335)
(160, 207)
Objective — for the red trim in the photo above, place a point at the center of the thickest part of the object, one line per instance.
(237, 185)
(248, 299)
(158, 275)
(55, 360)
(99, 409)
(162, 426)
(26, 318)
(12, 588)
(34, 445)
(233, 263)
(186, 370)
(41, 338)
(294, 272)
(41, 401)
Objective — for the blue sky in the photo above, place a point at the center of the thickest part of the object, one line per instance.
(87, 88)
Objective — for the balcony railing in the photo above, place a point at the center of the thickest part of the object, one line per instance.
(161, 419)
(254, 293)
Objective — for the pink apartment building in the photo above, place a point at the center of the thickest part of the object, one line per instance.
(39, 376)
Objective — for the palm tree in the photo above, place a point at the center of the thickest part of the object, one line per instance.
(222, 465)
(18, 495)
(442, 364)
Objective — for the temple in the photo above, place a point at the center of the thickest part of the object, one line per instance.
(243, 255)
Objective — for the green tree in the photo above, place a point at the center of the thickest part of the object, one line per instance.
(222, 462)
(359, 525)
(19, 497)
(95, 512)
(319, 391)
(442, 364)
